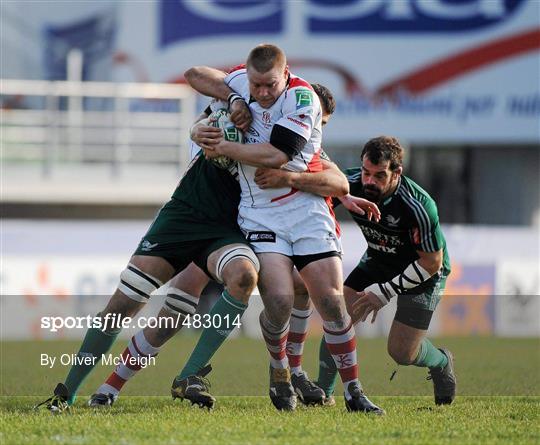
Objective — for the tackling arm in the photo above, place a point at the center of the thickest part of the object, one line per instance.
(414, 274)
(257, 155)
(208, 81)
(329, 182)
(211, 82)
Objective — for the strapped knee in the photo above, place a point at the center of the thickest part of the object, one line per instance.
(180, 303)
(136, 284)
(235, 253)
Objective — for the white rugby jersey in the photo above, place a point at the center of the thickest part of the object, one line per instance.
(297, 109)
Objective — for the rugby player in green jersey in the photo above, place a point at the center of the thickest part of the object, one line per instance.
(197, 225)
(406, 259)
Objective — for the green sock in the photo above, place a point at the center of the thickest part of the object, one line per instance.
(212, 338)
(327, 370)
(429, 356)
(95, 343)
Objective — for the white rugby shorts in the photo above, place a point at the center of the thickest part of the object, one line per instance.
(302, 226)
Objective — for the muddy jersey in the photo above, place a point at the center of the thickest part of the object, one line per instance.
(409, 222)
(298, 109)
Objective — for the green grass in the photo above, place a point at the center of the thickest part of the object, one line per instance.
(499, 399)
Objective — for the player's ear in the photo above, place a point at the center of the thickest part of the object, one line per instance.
(286, 72)
(397, 172)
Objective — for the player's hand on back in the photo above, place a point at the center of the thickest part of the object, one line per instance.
(267, 178)
(361, 206)
(240, 115)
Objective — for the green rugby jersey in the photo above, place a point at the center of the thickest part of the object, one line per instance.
(409, 222)
(211, 192)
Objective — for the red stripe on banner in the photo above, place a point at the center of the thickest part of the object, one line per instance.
(342, 348)
(294, 360)
(457, 65)
(296, 337)
(348, 374)
(115, 381)
(292, 192)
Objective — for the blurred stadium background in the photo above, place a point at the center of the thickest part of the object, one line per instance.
(95, 113)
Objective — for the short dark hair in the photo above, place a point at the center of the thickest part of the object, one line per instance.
(266, 56)
(328, 103)
(382, 149)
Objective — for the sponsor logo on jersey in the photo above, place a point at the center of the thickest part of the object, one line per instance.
(392, 220)
(253, 132)
(299, 123)
(384, 249)
(147, 246)
(303, 98)
(381, 238)
(261, 237)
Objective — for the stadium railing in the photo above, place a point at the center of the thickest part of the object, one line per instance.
(64, 123)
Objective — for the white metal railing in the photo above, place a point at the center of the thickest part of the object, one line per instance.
(54, 122)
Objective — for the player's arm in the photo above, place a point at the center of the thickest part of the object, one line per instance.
(211, 82)
(283, 146)
(208, 81)
(257, 155)
(428, 239)
(328, 182)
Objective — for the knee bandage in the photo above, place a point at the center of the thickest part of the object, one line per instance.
(180, 302)
(235, 253)
(136, 284)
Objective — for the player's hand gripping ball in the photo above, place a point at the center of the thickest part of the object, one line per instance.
(222, 119)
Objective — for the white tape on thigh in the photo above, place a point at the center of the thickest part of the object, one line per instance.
(232, 254)
(136, 284)
(180, 302)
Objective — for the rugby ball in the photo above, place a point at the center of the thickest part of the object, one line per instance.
(222, 119)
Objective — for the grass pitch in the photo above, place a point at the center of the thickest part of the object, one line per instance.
(498, 402)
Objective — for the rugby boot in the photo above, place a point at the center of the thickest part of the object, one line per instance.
(359, 402)
(99, 400)
(281, 391)
(58, 403)
(194, 388)
(308, 392)
(444, 381)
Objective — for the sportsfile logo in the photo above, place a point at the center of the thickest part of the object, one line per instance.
(188, 19)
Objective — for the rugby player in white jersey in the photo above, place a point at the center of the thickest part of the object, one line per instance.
(286, 227)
